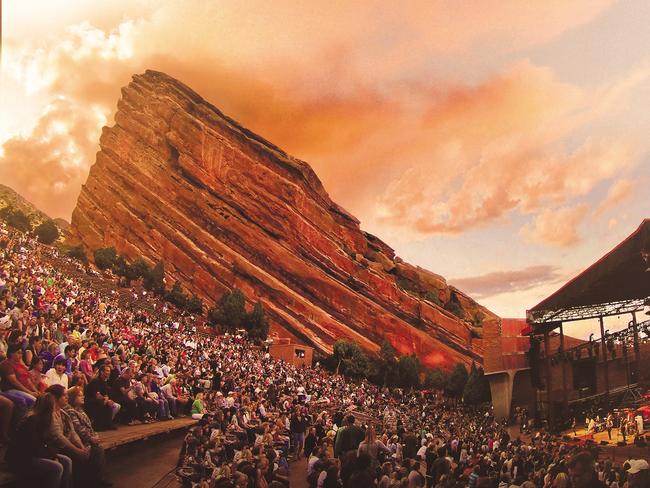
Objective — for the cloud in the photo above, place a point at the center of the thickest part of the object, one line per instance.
(394, 144)
(556, 227)
(45, 166)
(618, 192)
(510, 143)
(498, 282)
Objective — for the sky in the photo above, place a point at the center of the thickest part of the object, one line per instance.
(502, 144)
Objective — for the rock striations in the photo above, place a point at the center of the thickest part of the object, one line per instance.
(177, 180)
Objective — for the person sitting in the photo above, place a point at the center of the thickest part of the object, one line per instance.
(122, 393)
(152, 387)
(32, 457)
(84, 428)
(48, 356)
(169, 393)
(99, 407)
(197, 407)
(23, 396)
(146, 402)
(88, 464)
(70, 357)
(56, 375)
(36, 374)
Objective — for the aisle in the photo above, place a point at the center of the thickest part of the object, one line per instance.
(298, 474)
(143, 464)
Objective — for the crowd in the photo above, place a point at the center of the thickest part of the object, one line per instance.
(79, 361)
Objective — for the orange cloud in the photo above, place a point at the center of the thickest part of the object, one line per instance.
(556, 227)
(391, 144)
(45, 167)
(498, 282)
(618, 192)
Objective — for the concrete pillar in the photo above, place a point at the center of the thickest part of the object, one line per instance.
(549, 378)
(605, 358)
(501, 390)
(637, 351)
(565, 397)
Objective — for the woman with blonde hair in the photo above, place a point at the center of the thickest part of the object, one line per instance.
(561, 481)
(372, 447)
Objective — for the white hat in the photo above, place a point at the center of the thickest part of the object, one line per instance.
(637, 465)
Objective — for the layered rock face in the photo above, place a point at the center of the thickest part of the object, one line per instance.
(176, 180)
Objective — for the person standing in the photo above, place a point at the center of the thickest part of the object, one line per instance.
(348, 438)
(609, 425)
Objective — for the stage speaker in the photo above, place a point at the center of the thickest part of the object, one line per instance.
(604, 443)
(566, 437)
(620, 443)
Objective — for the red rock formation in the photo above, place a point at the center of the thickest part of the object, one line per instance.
(177, 180)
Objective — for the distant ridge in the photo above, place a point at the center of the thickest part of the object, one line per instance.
(11, 198)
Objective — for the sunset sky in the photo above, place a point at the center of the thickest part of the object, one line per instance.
(503, 144)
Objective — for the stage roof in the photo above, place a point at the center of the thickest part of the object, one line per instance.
(621, 276)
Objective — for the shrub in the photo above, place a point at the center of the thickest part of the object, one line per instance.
(457, 380)
(257, 323)
(16, 219)
(404, 284)
(436, 378)
(454, 307)
(136, 270)
(194, 305)
(408, 368)
(477, 388)
(155, 280)
(47, 232)
(432, 296)
(176, 296)
(105, 257)
(230, 312)
(78, 253)
(350, 359)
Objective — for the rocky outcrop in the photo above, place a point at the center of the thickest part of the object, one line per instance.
(177, 180)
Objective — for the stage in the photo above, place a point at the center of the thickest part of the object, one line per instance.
(610, 450)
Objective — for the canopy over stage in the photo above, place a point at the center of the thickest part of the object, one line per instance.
(617, 283)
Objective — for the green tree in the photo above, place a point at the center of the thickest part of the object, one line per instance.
(17, 219)
(230, 312)
(194, 305)
(432, 297)
(77, 252)
(409, 371)
(155, 280)
(457, 380)
(387, 364)
(257, 323)
(477, 388)
(47, 232)
(105, 257)
(136, 270)
(350, 359)
(176, 295)
(436, 379)
(453, 306)
(477, 319)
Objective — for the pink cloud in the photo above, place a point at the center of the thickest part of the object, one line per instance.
(618, 192)
(498, 282)
(556, 227)
(427, 156)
